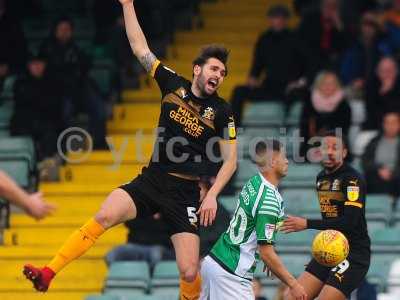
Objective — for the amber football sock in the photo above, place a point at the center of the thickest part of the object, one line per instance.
(190, 290)
(76, 245)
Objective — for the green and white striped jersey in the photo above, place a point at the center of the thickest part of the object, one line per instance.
(256, 220)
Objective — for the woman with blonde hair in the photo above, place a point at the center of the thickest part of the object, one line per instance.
(326, 108)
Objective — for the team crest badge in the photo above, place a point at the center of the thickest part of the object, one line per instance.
(269, 231)
(353, 192)
(209, 114)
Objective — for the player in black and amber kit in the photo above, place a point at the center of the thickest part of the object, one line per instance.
(341, 194)
(192, 119)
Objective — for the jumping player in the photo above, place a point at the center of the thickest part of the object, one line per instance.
(192, 116)
(341, 193)
(228, 270)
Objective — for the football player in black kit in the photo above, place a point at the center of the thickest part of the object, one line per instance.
(341, 194)
(192, 119)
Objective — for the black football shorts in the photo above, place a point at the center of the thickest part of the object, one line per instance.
(175, 198)
(346, 277)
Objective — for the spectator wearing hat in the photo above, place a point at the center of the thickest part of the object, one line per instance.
(381, 159)
(279, 58)
(324, 34)
(38, 108)
(360, 60)
(382, 92)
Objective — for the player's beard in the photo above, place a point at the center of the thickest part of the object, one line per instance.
(202, 83)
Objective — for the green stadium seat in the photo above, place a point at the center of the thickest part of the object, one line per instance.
(18, 148)
(302, 202)
(386, 240)
(132, 275)
(102, 297)
(172, 296)
(294, 115)
(229, 202)
(103, 77)
(298, 242)
(379, 207)
(246, 169)
(16, 169)
(301, 175)
(6, 111)
(264, 113)
(374, 225)
(379, 270)
(165, 278)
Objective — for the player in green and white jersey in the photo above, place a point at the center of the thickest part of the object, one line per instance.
(228, 270)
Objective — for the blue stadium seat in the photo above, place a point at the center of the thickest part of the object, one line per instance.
(298, 242)
(229, 202)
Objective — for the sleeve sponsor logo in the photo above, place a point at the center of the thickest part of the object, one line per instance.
(231, 129)
(269, 231)
(353, 193)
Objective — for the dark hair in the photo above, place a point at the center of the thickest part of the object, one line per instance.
(263, 146)
(343, 138)
(212, 51)
(269, 144)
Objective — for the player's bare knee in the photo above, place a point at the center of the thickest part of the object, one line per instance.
(105, 218)
(189, 272)
(189, 275)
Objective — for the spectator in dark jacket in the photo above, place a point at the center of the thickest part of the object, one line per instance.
(324, 34)
(382, 93)
(391, 20)
(13, 49)
(381, 159)
(38, 109)
(69, 66)
(278, 57)
(326, 109)
(360, 60)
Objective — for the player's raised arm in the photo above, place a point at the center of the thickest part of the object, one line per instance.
(136, 37)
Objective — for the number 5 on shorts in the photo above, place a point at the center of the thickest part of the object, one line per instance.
(192, 215)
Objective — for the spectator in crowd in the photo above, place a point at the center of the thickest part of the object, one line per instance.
(68, 64)
(148, 240)
(37, 108)
(13, 49)
(324, 34)
(278, 57)
(326, 108)
(360, 60)
(391, 19)
(33, 204)
(381, 159)
(382, 92)
(257, 289)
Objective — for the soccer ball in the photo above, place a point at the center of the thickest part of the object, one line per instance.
(330, 248)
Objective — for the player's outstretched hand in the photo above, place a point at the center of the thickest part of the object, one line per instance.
(208, 210)
(298, 292)
(38, 208)
(294, 224)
